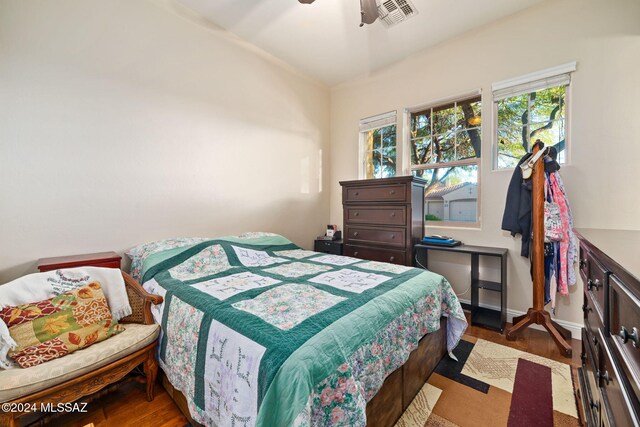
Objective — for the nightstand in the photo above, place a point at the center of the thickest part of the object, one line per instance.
(100, 259)
(328, 246)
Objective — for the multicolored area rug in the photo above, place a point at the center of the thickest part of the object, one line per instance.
(494, 385)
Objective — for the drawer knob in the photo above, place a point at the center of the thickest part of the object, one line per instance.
(593, 284)
(604, 376)
(393, 236)
(391, 259)
(594, 340)
(356, 214)
(586, 309)
(356, 193)
(392, 192)
(355, 253)
(594, 405)
(582, 263)
(633, 336)
(355, 234)
(393, 214)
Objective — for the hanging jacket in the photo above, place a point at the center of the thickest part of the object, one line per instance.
(517, 211)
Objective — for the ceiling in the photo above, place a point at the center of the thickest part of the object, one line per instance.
(324, 40)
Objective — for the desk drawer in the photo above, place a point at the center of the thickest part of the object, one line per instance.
(374, 254)
(376, 235)
(377, 215)
(378, 193)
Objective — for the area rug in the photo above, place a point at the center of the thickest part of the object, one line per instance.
(494, 385)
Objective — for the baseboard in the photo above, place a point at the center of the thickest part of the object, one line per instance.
(575, 328)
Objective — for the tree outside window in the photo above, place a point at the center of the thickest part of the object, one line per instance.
(380, 152)
(524, 118)
(445, 149)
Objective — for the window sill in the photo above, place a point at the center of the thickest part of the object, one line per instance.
(474, 226)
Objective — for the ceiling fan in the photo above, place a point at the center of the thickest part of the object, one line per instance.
(368, 10)
(390, 12)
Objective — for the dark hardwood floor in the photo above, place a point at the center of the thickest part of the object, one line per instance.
(532, 341)
(128, 406)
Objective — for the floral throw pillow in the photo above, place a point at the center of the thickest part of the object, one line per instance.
(53, 328)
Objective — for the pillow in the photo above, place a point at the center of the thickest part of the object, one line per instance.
(139, 253)
(42, 286)
(256, 234)
(52, 328)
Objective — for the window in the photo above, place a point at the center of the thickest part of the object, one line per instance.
(378, 146)
(529, 108)
(445, 146)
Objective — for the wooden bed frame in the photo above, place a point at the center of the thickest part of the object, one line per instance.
(397, 391)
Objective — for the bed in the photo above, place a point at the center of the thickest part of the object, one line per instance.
(258, 331)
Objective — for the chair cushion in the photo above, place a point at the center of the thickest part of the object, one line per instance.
(19, 382)
(55, 327)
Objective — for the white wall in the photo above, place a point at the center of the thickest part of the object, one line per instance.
(127, 121)
(604, 38)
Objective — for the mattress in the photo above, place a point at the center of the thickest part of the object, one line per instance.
(257, 331)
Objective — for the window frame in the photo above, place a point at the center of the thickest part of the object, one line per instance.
(372, 123)
(537, 81)
(476, 161)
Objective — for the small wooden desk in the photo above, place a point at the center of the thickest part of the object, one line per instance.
(482, 316)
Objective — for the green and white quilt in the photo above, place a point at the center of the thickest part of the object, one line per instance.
(259, 332)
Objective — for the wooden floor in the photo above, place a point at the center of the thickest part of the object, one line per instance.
(128, 405)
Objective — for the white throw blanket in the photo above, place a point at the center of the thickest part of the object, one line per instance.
(42, 286)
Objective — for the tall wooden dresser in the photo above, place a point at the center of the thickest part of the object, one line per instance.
(610, 373)
(383, 218)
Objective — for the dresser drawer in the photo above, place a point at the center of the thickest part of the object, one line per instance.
(374, 254)
(379, 193)
(624, 321)
(618, 406)
(395, 237)
(592, 320)
(376, 215)
(583, 263)
(594, 286)
(591, 395)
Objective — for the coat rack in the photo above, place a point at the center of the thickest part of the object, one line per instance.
(537, 314)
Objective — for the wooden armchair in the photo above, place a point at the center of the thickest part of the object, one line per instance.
(72, 389)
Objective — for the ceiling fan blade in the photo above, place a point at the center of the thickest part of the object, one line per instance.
(369, 11)
(306, 1)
